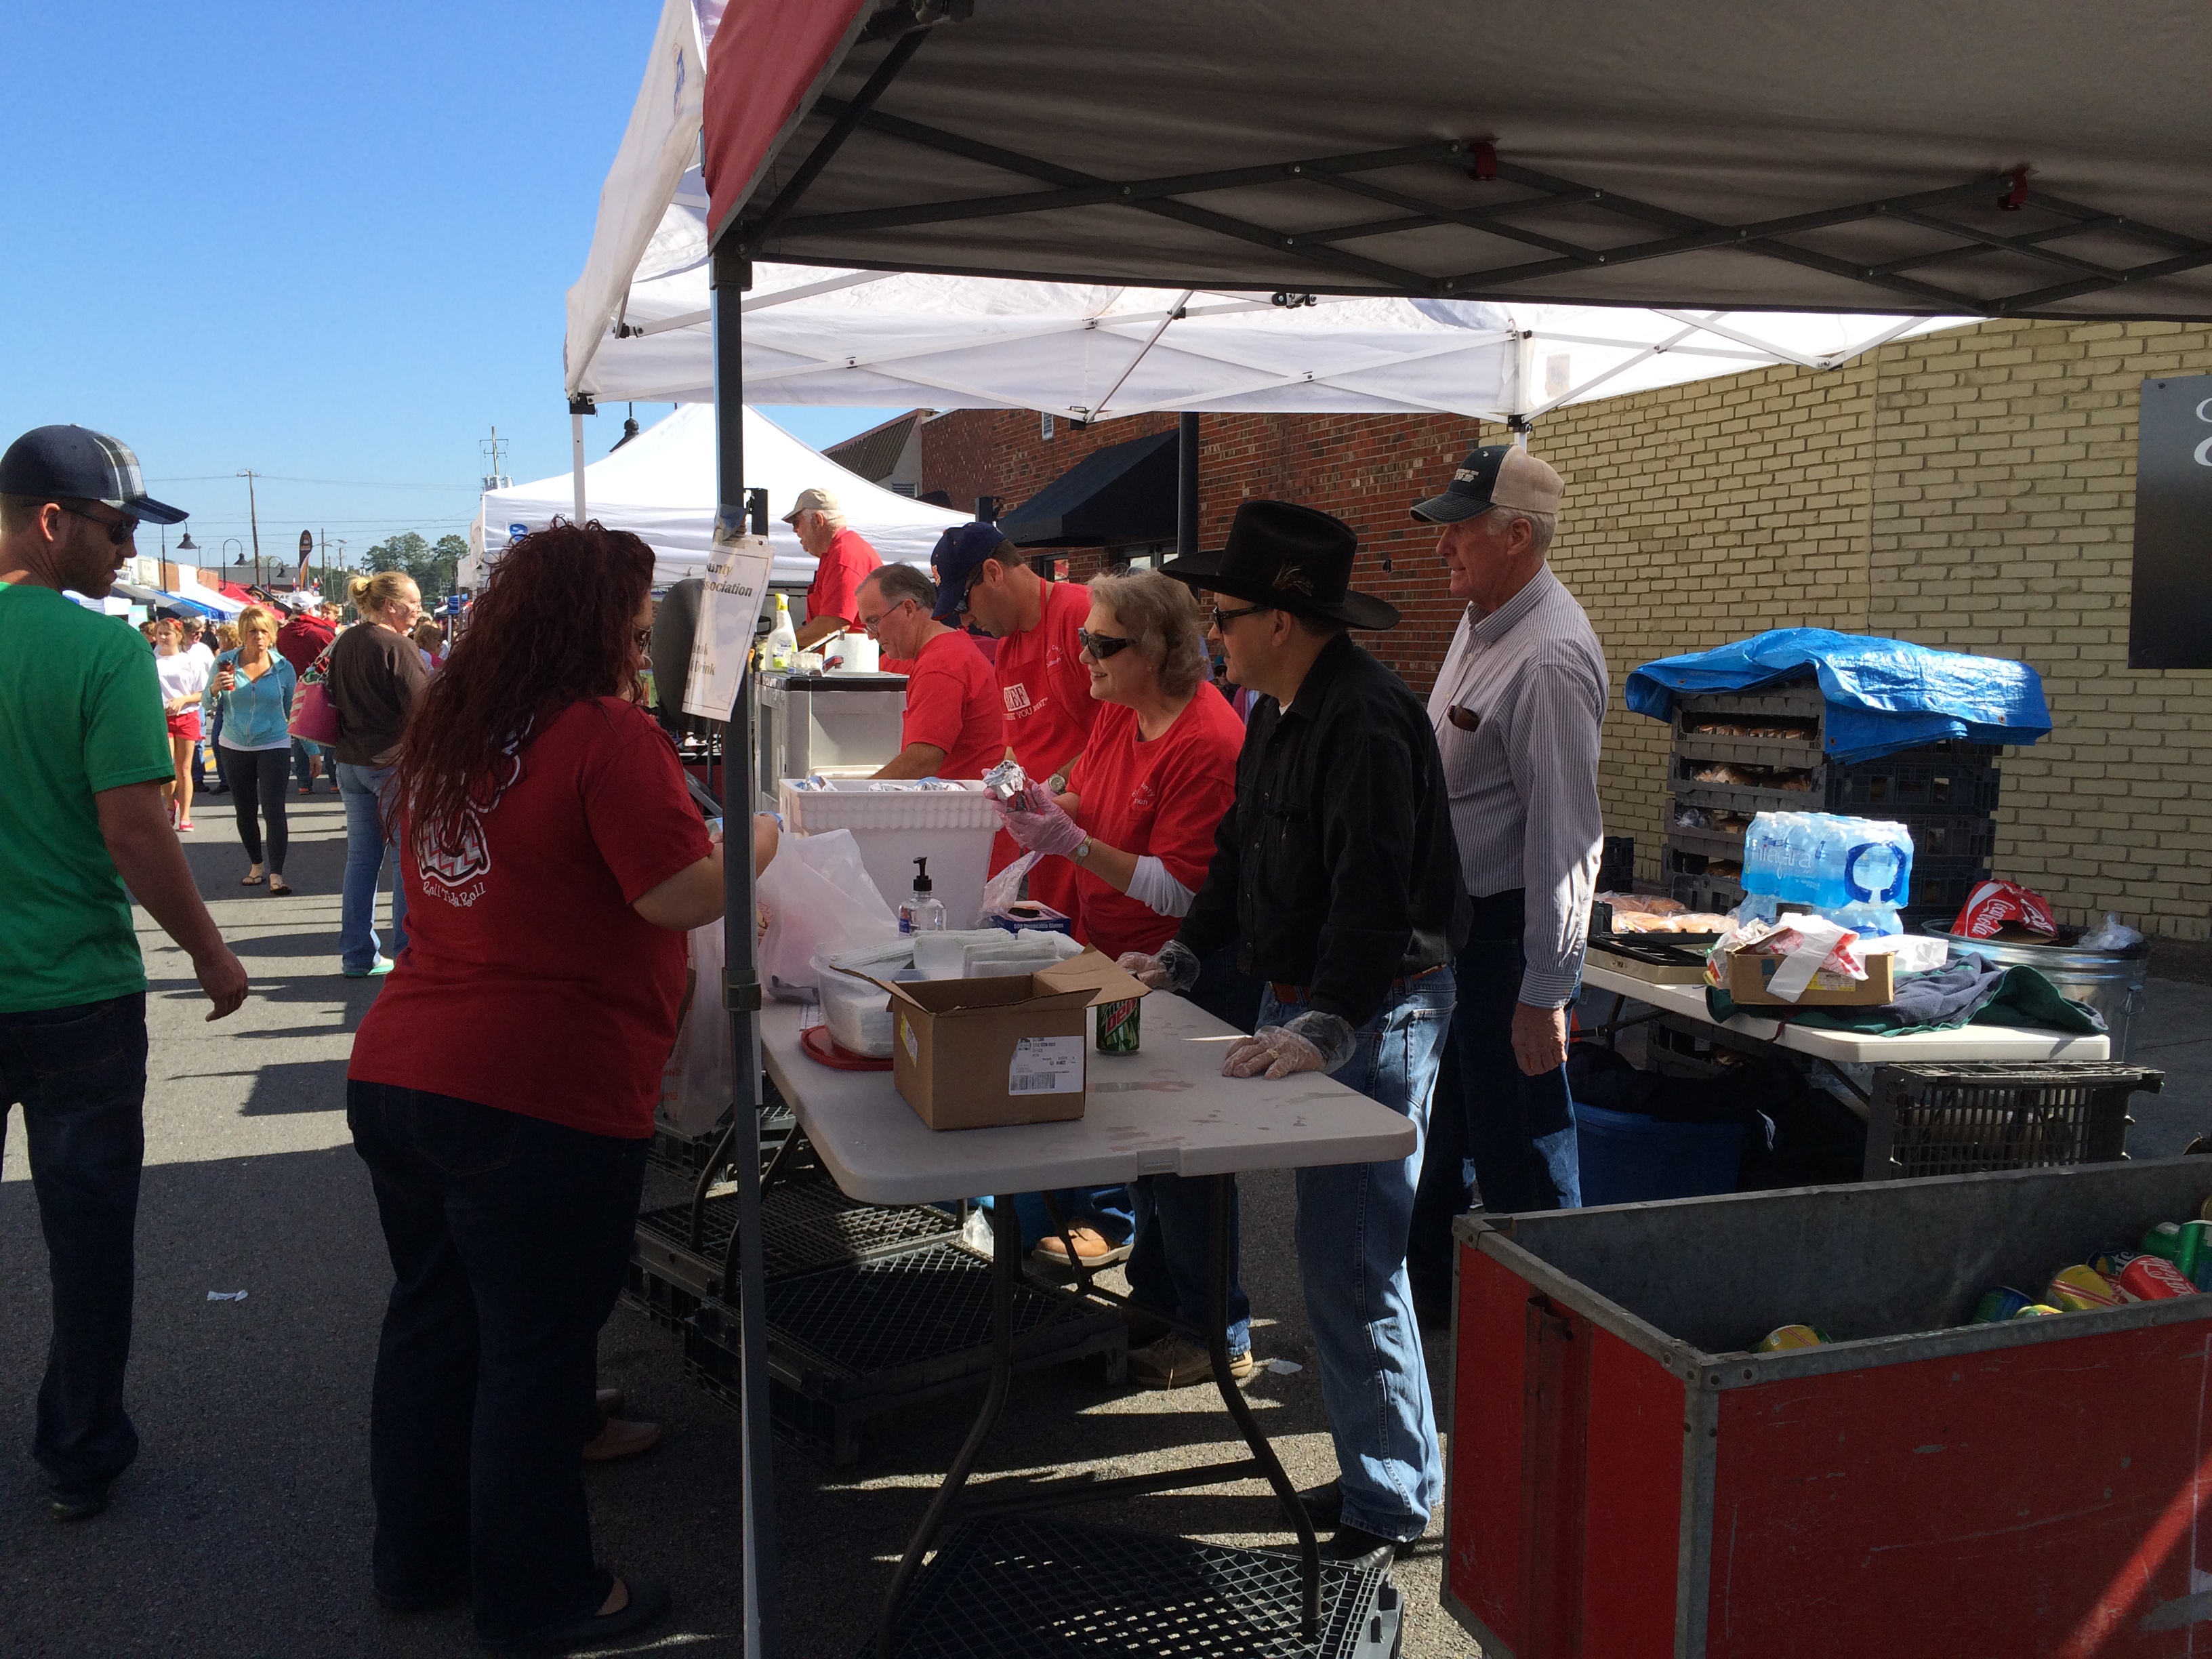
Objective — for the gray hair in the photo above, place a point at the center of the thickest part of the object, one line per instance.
(1541, 526)
(1160, 615)
(902, 581)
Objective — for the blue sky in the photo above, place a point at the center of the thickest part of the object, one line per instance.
(328, 243)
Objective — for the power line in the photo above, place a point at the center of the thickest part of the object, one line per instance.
(336, 483)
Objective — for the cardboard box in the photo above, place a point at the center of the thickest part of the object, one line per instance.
(973, 1054)
(1748, 974)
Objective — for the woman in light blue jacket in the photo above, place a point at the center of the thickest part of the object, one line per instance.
(254, 684)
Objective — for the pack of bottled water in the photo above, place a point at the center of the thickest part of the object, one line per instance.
(1857, 872)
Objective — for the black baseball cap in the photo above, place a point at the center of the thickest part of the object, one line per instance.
(1496, 475)
(957, 552)
(75, 464)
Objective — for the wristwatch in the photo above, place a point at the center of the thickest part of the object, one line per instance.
(1082, 850)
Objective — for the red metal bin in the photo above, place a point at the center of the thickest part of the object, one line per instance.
(1625, 1480)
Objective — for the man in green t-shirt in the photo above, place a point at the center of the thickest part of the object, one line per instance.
(85, 751)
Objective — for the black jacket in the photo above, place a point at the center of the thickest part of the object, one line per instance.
(1336, 867)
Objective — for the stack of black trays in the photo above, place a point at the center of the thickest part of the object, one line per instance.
(1774, 760)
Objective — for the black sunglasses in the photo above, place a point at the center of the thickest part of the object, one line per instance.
(119, 531)
(1100, 645)
(1223, 618)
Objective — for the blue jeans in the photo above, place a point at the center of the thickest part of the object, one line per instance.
(509, 1237)
(367, 840)
(1171, 1267)
(80, 1075)
(1351, 1228)
(1521, 1151)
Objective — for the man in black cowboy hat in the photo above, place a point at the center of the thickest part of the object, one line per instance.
(1336, 875)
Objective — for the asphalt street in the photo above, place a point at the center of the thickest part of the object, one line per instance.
(244, 1527)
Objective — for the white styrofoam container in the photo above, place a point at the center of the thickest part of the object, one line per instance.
(952, 828)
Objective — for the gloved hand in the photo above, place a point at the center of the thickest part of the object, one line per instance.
(1176, 967)
(1044, 829)
(1271, 1051)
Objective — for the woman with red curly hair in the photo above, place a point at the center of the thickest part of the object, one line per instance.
(502, 1087)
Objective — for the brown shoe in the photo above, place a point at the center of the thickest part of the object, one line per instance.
(1092, 1249)
(1177, 1362)
(620, 1437)
(609, 1402)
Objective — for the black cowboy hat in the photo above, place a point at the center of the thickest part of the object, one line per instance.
(1289, 558)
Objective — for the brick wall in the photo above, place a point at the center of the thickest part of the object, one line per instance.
(1972, 490)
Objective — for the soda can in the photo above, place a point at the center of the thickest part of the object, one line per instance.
(1117, 1026)
(2078, 1289)
(2000, 1305)
(2110, 1261)
(2035, 1311)
(2197, 1252)
(1781, 1341)
(2153, 1279)
(2166, 1240)
(2204, 1210)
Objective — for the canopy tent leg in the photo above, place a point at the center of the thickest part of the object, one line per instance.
(741, 990)
(1187, 485)
(578, 408)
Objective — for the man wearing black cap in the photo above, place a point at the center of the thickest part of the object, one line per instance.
(1336, 876)
(1517, 709)
(84, 750)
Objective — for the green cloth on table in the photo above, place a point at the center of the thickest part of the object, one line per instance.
(2020, 997)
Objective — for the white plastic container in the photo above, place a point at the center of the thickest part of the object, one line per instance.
(859, 1014)
(952, 828)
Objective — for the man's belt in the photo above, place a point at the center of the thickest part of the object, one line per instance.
(1297, 993)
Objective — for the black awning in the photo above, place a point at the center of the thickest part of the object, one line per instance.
(1123, 493)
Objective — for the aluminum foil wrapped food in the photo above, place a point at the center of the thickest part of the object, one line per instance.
(1006, 782)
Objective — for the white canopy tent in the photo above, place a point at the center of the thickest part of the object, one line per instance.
(638, 321)
(661, 485)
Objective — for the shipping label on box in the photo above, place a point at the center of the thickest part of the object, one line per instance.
(973, 1054)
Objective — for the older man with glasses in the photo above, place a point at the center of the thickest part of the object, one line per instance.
(84, 751)
(951, 727)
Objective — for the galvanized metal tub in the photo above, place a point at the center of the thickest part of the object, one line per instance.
(2110, 982)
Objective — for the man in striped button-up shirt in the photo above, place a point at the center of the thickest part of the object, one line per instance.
(1517, 709)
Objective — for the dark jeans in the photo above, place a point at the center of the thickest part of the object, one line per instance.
(1167, 1263)
(80, 1075)
(1512, 1139)
(509, 1237)
(256, 780)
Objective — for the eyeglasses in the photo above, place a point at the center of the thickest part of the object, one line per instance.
(1100, 645)
(642, 638)
(869, 622)
(967, 589)
(1223, 618)
(119, 531)
(1467, 720)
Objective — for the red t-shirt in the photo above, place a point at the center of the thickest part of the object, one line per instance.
(528, 983)
(1049, 710)
(953, 702)
(1162, 799)
(302, 639)
(844, 565)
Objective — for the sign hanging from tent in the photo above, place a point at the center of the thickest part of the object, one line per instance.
(729, 613)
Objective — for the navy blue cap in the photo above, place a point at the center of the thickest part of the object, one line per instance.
(1496, 475)
(75, 464)
(957, 552)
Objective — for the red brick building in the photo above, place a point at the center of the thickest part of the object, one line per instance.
(1366, 468)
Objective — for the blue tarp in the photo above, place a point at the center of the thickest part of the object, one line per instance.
(1883, 694)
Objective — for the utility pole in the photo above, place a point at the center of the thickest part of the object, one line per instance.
(253, 513)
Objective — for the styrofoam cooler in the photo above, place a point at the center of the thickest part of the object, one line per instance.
(894, 827)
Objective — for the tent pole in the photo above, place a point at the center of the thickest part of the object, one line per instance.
(741, 991)
(578, 408)
(1187, 483)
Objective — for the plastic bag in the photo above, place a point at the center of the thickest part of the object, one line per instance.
(700, 1079)
(1003, 890)
(819, 898)
(2113, 935)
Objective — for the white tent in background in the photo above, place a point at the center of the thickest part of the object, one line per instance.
(661, 485)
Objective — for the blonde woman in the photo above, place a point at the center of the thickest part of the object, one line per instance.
(250, 700)
(375, 675)
(183, 677)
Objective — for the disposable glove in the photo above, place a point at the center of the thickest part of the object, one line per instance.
(1044, 829)
(1313, 1042)
(1176, 967)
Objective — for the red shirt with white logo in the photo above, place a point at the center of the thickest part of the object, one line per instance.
(528, 982)
(953, 703)
(1160, 799)
(1049, 711)
(843, 566)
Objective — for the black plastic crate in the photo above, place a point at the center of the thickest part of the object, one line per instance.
(852, 1342)
(667, 1302)
(1974, 1117)
(1937, 777)
(1026, 1588)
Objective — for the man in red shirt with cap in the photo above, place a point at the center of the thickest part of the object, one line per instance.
(1045, 688)
(953, 727)
(842, 559)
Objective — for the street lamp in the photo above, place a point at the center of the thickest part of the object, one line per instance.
(186, 545)
(229, 542)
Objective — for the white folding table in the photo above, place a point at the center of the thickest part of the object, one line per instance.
(1165, 1110)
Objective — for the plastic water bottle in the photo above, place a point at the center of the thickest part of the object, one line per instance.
(1867, 920)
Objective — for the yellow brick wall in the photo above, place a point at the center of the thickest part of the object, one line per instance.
(1972, 490)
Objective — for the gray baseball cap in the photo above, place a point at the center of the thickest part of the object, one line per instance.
(75, 464)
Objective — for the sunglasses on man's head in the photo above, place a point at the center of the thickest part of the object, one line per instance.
(1100, 646)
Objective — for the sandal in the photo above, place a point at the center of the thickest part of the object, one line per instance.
(252, 881)
(279, 888)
